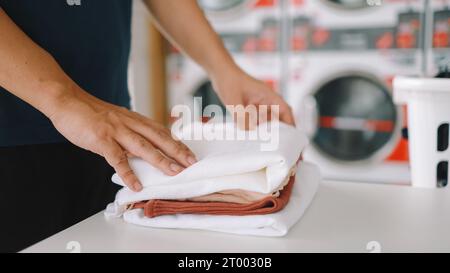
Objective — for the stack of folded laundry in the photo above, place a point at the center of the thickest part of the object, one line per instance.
(237, 186)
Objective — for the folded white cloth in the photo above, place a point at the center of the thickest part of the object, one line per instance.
(277, 224)
(223, 165)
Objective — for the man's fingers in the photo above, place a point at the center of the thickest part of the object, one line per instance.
(264, 114)
(286, 114)
(118, 159)
(161, 138)
(141, 147)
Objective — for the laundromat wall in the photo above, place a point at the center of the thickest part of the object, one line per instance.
(334, 62)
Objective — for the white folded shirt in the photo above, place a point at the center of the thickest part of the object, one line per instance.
(222, 165)
(276, 224)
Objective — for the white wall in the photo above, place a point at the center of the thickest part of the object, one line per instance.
(139, 69)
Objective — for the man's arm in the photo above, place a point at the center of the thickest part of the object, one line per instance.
(27, 71)
(184, 24)
(30, 73)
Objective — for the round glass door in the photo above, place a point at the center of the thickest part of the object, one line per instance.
(356, 118)
(220, 5)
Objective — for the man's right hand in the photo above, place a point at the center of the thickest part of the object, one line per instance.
(116, 134)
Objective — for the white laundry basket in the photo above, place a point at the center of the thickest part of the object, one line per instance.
(428, 104)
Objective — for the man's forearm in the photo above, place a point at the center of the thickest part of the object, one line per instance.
(185, 25)
(28, 71)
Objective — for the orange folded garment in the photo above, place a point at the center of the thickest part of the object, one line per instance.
(268, 205)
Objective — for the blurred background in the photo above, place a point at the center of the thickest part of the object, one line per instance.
(332, 60)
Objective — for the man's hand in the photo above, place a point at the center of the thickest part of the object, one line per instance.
(239, 88)
(185, 25)
(116, 134)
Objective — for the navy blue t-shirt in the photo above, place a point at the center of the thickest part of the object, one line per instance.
(90, 41)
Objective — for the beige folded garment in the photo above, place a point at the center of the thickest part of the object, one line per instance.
(231, 196)
(240, 196)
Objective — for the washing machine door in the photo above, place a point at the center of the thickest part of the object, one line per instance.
(220, 5)
(356, 118)
(348, 4)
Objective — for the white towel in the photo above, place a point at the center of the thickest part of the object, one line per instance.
(223, 165)
(277, 224)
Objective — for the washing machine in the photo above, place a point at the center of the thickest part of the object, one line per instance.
(250, 30)
(343, 57)
(321, 25)
(439, 36)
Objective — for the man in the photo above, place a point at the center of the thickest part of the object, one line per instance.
(64, 107)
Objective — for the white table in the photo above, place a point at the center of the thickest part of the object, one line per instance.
(344, 217)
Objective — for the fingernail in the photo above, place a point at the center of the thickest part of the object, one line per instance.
(191, 160)
(175, 167)
(137, 186)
